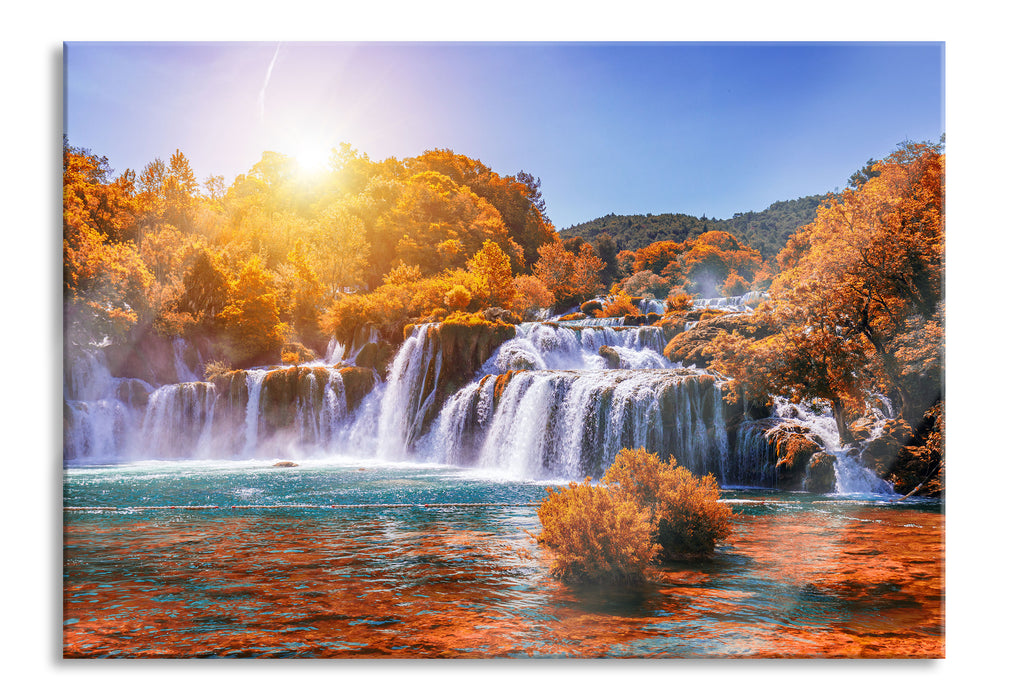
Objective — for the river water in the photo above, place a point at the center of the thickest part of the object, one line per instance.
(342, 558)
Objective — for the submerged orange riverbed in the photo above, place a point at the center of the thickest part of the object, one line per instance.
(799, 577)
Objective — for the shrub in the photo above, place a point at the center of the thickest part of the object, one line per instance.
(735, 286)
(619, 305)
(685, 515)
(646, 508)
(214, 369)
(458, 297)
(596, 534)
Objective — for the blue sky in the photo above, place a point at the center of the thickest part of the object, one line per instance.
(709, 129)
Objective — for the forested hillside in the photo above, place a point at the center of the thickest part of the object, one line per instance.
(765, 230)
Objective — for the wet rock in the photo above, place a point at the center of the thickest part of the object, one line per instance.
(496, 314)
(611, 357)
(880, 453)
(285, 464)
(793, 447)
(357, 383)
(821, 477)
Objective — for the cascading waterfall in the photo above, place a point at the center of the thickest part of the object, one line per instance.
(546, 346)
(652, 306)
(98, 409)
(755, 459)
(556, 401)
(178, 420)
(568, 424)
(182, 370)
(850, 475)
(739, 304)
(254, 381)
(407, 394)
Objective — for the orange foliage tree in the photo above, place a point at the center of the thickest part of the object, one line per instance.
(531, 295)
(251, 318)
(517, 199)
(105, 282)
(570, 277)
(493, 268)
(858, 304)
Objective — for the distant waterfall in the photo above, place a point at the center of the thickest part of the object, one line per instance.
(546, 346)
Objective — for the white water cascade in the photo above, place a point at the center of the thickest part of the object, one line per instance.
(99, 410)
(548, 346)
(554, 402)
(178, 420)
(850, 475)
(570, 424)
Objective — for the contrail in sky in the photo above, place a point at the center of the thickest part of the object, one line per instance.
(266, 81)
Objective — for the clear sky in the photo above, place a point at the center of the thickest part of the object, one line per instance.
(713, 129)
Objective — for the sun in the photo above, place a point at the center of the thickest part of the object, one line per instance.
(312, 159)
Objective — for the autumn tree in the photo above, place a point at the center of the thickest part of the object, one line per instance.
(205, 287)
(105, 282)
(531, 295)
(493, 268)
(570, 277)
(302, 297)
(858, 305)
(657, 256)
(438, 224)
(339, 249)
(180, 190)
(517, 199)
(251, 318)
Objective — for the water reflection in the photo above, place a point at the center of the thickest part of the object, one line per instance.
(797, 578)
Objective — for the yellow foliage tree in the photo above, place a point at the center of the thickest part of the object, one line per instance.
(493, 268)
(251, 319)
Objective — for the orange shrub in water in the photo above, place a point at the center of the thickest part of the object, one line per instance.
(596, 534)
(646, 508)
(685, 515)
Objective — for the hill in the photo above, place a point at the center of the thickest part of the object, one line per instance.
(765, 230)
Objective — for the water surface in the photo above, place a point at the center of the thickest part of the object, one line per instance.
(363, 558)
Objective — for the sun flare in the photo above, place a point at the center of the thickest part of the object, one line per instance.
(312, 159)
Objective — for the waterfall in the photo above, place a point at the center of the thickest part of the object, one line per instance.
(554, 401)
(254, 381)
(652, 306)
(739, 304)
(571, 424)
(178, 420)
(850, 475)
(99, 410)
(408, 393)
(182, 369)
(547, 346)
